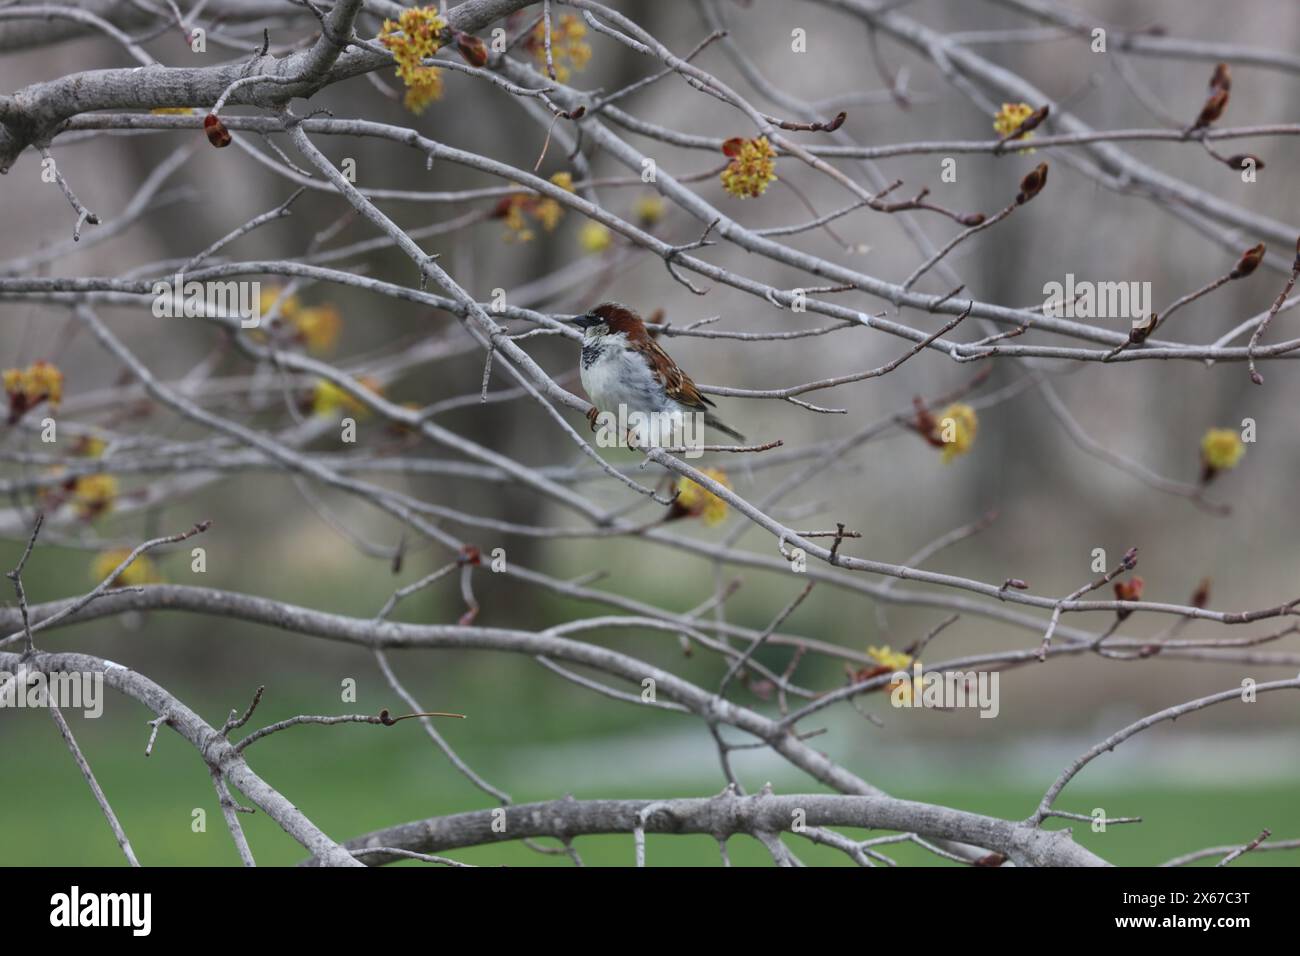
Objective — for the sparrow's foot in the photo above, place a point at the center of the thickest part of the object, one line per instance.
(592, 414)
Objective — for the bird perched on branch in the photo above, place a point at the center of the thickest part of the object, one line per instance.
(622, 365)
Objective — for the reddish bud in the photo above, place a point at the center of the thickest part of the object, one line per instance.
(218, 135)
(1032, 121)
(925, 423)
(473, 49)
(1130, 590)
(1138, 334)
(1249, 262)
(732, 146)
(1222, 78)
(1241, 160)
(1032, 184)
(972, 219)
(1212, 109)
(470, 554)
(1201, 596)
(836, 123)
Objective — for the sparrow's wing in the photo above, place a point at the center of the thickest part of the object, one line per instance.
(676, 383)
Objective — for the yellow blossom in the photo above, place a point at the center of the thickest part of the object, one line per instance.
(511, 212)
(268, 296)
(752, 168)
(1008, 119)
(89, 446)
(140, 571)
(26, 388)
(1221, 449)
(413, 38)
(515, 208)
(890, 661)
(568, 46)
(885, 657)
(955, 429)
(318, 327)
(594, 237)
(94, 495)
(649, 209)
(329, 399)
(697, 500)
(423, 89)
(548, 211)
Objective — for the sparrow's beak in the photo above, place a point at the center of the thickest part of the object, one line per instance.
(584, 322)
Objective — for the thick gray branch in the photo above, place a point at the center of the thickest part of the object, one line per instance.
(725, 815)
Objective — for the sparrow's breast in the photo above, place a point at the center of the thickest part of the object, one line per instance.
(614, 375)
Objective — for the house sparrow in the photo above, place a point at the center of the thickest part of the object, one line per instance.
(623, 365)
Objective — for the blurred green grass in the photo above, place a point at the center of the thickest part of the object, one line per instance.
(355, 778)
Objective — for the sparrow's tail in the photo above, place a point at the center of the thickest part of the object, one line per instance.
(712, 422)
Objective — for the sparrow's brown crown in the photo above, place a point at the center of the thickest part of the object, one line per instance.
(620, 318)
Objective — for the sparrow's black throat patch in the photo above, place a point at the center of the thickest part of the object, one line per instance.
(590, 352)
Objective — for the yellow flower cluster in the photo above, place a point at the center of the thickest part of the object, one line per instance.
(892, 661)
(595, 237)
(885, 657)
(316, 327)
(515, 209)
(413, 38)
(697, 500)
(1008, 119)
(89, 446)
(26, 388)
(94, 495)
(329, 399)
(140, 571)
(956, 429)
(1221, 449)
(752, 168)
(272, 294)
(39, 381)
(568, 45)
(649, 209)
